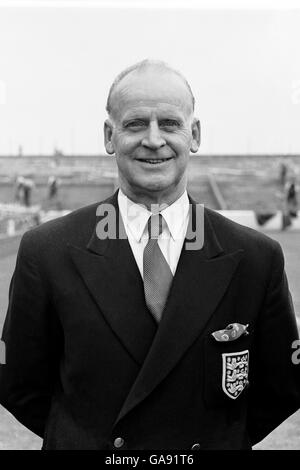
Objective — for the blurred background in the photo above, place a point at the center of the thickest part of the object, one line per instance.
(57, 62)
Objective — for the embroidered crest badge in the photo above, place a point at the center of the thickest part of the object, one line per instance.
(235, 373)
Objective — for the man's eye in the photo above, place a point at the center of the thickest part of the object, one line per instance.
(135, 124)
(169, 123)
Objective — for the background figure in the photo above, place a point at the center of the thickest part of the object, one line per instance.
(290, 203)
(28, 185)
(53, 184)
(292, 199)
(52, 187)
(283, 170)
(23, 192)
(19, 192)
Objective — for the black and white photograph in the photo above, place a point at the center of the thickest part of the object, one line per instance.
(150, 227)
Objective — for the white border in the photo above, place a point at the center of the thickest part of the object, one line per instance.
(157, 4)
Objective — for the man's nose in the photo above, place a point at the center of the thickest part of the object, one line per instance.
(153, 139)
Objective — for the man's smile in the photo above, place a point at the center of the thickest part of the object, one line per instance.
(154, 161)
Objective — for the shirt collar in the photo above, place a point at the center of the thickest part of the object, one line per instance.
(135, 216)
(175, 215)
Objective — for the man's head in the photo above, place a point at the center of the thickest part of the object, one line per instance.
(152, 130)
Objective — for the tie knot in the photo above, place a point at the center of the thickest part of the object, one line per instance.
(155, 226)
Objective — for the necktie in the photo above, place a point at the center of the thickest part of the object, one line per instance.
(157, 273)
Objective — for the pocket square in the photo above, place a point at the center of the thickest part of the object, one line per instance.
(232, 332)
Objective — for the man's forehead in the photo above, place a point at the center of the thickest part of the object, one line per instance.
(152, 88)
(151, 108)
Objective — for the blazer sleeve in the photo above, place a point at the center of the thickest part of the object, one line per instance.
(274, 389)
(31, 334)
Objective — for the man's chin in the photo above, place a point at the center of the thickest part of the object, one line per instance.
(154, 186)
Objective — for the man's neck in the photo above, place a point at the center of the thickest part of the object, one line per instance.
(153, 201)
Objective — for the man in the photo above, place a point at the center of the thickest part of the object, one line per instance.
(146, 341)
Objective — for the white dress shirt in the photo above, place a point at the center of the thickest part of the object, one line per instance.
(175, 223)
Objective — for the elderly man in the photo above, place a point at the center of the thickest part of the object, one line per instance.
(139, 339)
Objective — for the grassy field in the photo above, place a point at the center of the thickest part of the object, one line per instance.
(15, 436)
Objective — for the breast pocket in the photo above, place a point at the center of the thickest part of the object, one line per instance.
(226, 370)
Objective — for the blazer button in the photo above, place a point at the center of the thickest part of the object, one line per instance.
(196, 446)
(119, 442)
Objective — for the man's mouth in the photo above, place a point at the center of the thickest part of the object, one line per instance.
(154, 161)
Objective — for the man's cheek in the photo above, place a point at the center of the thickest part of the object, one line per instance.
(127, 144)
(180, 141)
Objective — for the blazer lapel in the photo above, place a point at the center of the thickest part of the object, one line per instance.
(201, 280)
(109, 271)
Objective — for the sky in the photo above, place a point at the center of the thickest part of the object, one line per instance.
(58, 60)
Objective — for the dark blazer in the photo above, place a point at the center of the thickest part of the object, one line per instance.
(86, 362)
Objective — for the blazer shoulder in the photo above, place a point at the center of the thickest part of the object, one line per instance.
(74, 228)
(232, 234)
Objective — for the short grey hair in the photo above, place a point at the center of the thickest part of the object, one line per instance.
(139, 66)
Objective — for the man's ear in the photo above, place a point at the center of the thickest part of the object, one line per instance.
(108, 132)
(196, 135)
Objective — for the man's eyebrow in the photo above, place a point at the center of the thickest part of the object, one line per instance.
(126, 121)
(134, 114)
(171, 118)
(131, 115)
(171, 115)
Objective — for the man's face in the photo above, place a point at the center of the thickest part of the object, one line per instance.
(152, 131)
